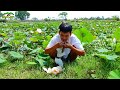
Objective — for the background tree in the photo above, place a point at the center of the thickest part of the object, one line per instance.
(63, 15)
(34, 18)
(22, 15)
(1, 14)
(115, 18)
(8, 15)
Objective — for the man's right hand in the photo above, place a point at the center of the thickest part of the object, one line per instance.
(59, 44)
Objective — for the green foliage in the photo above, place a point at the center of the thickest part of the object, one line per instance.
(2, 59)
(36, 51)
(3, 20)
(84, 35)
(33, 39)
(115, 74)
(3, 34)
(107, 57)
(116, 34)
(45, 42)
(102, 50)
(9, 15)
(115, 18)
(41, 62)
(1, 14)
(15, 55)
(117, 49)
(19, 35)
(1, 39)
(98, 34)
(31, 63)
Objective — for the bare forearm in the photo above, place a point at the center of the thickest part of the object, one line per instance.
(50, 50)
(77, 51)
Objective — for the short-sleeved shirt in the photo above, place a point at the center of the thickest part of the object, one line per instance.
(73, 40)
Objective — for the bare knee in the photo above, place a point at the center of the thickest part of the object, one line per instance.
(73, 56)
(52, 55)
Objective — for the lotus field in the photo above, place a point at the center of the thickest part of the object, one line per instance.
(22, 47)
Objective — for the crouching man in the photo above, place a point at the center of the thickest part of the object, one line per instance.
(65, 39)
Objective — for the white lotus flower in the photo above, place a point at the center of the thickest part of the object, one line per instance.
(114, 40)
(31, 32)
(59, 62)
(39, 30)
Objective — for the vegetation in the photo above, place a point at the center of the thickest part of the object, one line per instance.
(22, 50)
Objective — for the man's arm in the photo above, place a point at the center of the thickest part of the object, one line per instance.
(77, 51)
(53, 48)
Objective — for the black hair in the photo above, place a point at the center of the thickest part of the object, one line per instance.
(65, 27)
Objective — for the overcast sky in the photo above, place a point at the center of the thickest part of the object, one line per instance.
(71, 14)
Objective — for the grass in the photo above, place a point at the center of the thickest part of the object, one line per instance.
(75, 70)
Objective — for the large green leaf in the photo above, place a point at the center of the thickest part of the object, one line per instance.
(107, 57)
(2, 59)
(115, 74)
(25, 48)
(112, 57)
(37, 50)
(41, 62)
(17, 42)
(117, 49)
(16, 55)
(31, 63)
(33, 39)
(19, 35)
(84, 35)
(45, 43)
(43, 56)
(49, 38)
(117, 34)
(102, 50)
(1, 39)
(3, 34)
(5, 45)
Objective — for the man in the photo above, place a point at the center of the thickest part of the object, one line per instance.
(69, 42)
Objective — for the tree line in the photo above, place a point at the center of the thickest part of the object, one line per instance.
(19, 15)
(24, 15)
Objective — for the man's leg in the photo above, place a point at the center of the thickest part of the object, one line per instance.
(72, 56)
(53, 55)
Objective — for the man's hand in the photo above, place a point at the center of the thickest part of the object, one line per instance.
(63, 44)
(60, 44)
(67, 45)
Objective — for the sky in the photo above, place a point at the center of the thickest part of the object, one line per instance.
(71, 14)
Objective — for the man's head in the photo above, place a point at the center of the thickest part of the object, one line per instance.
(65, 31)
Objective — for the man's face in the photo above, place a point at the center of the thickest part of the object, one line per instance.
(64, 36)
